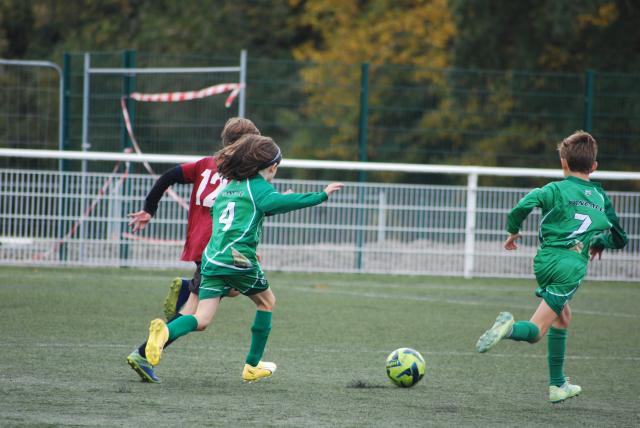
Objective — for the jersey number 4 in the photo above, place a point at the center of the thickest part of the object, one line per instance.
(226, 217)
(586, 222)
(208, 179)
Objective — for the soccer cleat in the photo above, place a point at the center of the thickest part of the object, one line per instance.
(497, 332)
(171, 300)
(263, 369)
(142, 367)
(558, 394)
(158, 336)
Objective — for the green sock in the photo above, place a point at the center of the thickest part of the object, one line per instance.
(524, 331)
(181, 326)
(556, 345)
(259, 335)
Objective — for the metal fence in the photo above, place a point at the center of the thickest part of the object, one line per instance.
(412, 114)
(69, 218)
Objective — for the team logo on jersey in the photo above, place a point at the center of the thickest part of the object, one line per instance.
(239, 260)
(587, 192)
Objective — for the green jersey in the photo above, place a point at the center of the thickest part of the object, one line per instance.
(237, 217)
(576, 214)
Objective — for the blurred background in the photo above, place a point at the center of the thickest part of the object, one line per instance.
(444, 81)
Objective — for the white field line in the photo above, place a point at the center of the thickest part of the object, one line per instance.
(190, 348)
(472, 302)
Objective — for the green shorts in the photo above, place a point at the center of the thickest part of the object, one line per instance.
(559, 274)
(219, 285)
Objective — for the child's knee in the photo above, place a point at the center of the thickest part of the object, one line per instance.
(267, 304)
(203, 323)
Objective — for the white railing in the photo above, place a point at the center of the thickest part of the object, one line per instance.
(368, 227)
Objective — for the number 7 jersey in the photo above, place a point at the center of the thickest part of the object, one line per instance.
(237, 216)
(575, 215)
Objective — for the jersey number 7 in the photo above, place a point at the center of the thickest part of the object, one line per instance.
(586, 222)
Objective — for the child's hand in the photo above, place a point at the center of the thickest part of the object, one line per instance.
(510, 243)
(332, 188)
(594, 251)
(139, 220)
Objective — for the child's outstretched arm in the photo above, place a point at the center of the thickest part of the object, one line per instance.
(279, 203)
(614, 238)
(542, 197)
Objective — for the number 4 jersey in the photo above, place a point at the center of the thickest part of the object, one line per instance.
(237, 215)
(207, 184)
(576, 214)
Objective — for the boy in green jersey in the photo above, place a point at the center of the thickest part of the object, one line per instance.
(578, 221)
(230, 260)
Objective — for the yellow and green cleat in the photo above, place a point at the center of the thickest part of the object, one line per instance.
(158, 336)
(262, 370)
(501, 327)
(171, 301)
(558, 394)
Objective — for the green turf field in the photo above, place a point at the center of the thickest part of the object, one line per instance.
(66, 333)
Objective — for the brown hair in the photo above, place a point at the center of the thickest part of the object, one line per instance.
(247, 156)
(235, 128)
(580, 150)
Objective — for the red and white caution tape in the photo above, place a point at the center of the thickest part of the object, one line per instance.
(175, 97)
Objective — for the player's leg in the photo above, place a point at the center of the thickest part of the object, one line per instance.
(138, 360)
(255, 368)
(523, 331)
(211, 289)
(189, 307)
(142, 367)
(498, 331)
(180, 295)
(176, 297)
(559, 387)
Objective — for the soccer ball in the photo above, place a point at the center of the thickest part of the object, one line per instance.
(405, 367)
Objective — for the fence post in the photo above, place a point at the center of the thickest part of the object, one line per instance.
(470, 227)
(128, 86)
(128, 83)
(588, 101)
(85, 147)
(243, 82)
(64, 145)
(362, 157)
(382, 216)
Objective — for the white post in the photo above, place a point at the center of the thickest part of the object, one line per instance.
(470, 227)
(382, 216)
(85, 108)
(243, 82)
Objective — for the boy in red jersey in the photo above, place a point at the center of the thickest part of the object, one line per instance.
(207, 184)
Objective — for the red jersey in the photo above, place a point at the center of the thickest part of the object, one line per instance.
(207, 184)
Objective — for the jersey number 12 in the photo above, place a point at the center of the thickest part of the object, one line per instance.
(208, 179)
